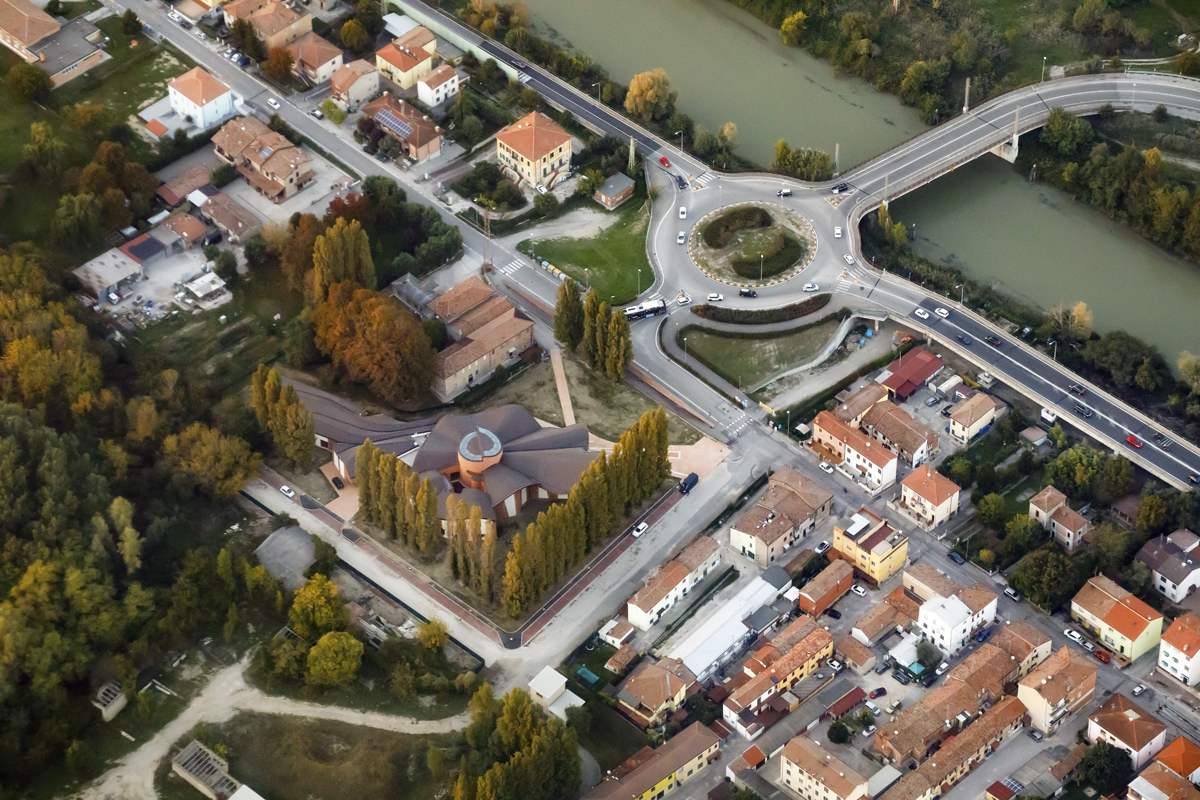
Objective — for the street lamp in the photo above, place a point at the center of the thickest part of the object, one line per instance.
(685, 352)
(962, 295)
(1043, 70)
(596, 86)
(761, 256)
(639, 291)
(680, 134)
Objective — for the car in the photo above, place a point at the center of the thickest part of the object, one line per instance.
(1078, 389)
(841, 187)
(883, 667)
(640, 529)
(901, 678)
(948, 410)
(1133, 440)
(286, 491)
(858, 590)
(922, 313)
(520, 64)
(1083, 411)
(234, 56)
(784, 193)
(1073, 635)
(1102, 655)
(967, 340)
(880, 692)
(941, 312)
(664, 161)
(681, 238)
(837, 233)
(229, 51)
(682, 212)
(1137, 690)
(835, 665)
(174, 16)
(826, 468)
(680, 182)
(747, 293)
(984, 635)
(869, 730)
(683, 299)
(244, 61)
(316, 113)
(849, 258)
(994, 341)
(931, 402)
(713, 297)
(187, 26)
(337, 483)
(895, 704)
(833, 613)
(942, 669)
(1194, 478)
(1036, 735)
(1091, 648)
(928, 679)
(542, 189)
(273, 103)
(202, 36)
(957, 559)
(822, 547)
(811, 287)
(1011, 594)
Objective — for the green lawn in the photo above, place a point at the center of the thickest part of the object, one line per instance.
(73, 10)
(608, 262)
(745, 362)
(611, 738)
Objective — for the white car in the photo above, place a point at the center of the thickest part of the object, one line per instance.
(922, 313)
(640, 529)
(1073, 635)
(273, 103)
(828, 470)
(835, 665)
(286, 491)
(713, 297)
(849, 258)
(941, 312)
(682, 212)
(174, 16)
(942, 669)
(681, 238)
(858, 590)
(811, 287)
(202, 36)
(837, 233)
(822, 547)
(684, 300)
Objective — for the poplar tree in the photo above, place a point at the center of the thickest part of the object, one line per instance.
(603, 318)
(568, 315)
(662, 444)
(428, 525)
(576, 531)
(364, 466)
(258, 396)
(591, 308)
(515, 591)
(385, 501)
(487, 564)
(412, 487)
(400, 492)
(619, 348)
(475, 542)
(535, 558)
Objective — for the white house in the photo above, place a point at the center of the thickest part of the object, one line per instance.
(1124, 724)
(673, 582)
(438, 86)
(950, 621)
(1179, 650)
(549, 690)
(1175, 563)
(201, 97)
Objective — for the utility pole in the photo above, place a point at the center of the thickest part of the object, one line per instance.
(967, 97)
(632, 154)
(836, 149)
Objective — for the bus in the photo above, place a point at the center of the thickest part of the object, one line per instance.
(648, 309)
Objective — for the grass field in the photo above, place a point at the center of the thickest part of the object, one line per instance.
(608, 262)
(778, 252)
(611, 739)
(745, 362)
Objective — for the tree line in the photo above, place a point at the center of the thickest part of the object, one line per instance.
(566, 532)
(605, 338)
(398, 500)
(280, 413)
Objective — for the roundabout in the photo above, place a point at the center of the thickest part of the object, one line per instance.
(734, 242)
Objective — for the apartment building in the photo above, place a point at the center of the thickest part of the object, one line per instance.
(914, 442)
(973, 416)
(1062, 685)
(929, 496)
(672, 583)
(534, 149)
(740, 709)
(1175, 563)
(1027, 645)
(812, 772)
(871, 545)
(654, 691)
(1124, 724)
(791, 506)
(950, 614)
(855, 452)
(651, 773)
(1179, 650)
(1123, 623)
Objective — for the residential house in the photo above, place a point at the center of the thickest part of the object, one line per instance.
(741, 708)
(654, 691)
(950, 614)
(912, 441)
(402, 66)
(973, 416)
(791, 506)
(549, 690)
(1027, 645)
(651, 773)
(871, 545)
(275, 167)
(929, 496)
(190, 230)
(816, 774)
(63, 51)
(1043, 504)
(823, 591)
(858, 404)
(860, 457)
(486, 331)
(315, 59)
(176, 190)
(534, 149)
(439, 86)
(354, 84)
(1123, 623)
(418, 38)
(616, 632)
(1060, 686)
(779, 645)
(240, 9)
(897, 611)
(1125, 509)
(1158, 782)
(231, 218)
(927, 582)
(621, 659)
(1124, 724)
(420, 135)
(1049, 507)
(200, 97)
(1182, 757)
(1179, 650)
(235, 138)
(1175, 563)
(910, 372)
(857, 655)
(278, 25)
(616, 190)
(673, 582)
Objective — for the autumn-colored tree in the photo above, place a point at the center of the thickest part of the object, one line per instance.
(317, 609)
(245, 39)
(293, 429)
(354, 37)
(433, 634)
(76, 222)
(568, 315)
(354, 208)
(219, 465)
(333, 661)
(385, 500)
(514, 593)
(591, 312)
(88, 119)
(485, 577)
(296, 256)
(619, 346)
(650, 96)
(365, 468)
(341, 254)
(278, 64)
(44, 152)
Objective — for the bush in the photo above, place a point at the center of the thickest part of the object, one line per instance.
(763, 316)
(779, 255)
(718, 232)
(487, 180)
(839, 733)
(222, 176)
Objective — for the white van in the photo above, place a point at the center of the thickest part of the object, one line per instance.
(874, 709)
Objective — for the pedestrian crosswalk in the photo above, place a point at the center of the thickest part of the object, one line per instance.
(739, 424)
(510, 267)
(702, 180)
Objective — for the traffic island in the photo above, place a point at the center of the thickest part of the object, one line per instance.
(752, 244)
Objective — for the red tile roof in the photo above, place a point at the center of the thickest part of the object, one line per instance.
(1181, 756)
(533, 136)
(911, 370)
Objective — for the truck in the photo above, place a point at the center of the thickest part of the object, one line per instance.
(688, 483)
(1049, 417)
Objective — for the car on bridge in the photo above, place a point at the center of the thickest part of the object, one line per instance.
(941, 312)
(994, 341)
(1133, 440)
(1083, 411)
(519, 64)
(811, 287)
(922, 313)
(1078, 389)
(967, 340)
(666, 162)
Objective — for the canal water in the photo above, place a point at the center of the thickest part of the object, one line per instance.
(983, 218)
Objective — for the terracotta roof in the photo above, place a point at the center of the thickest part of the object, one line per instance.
(973, 409)
(880, 617)
(696, 553)
(801, 653)
(1069, 519)
(272, 18)
(186, 227)
(1019, 639)
(811, 493)
(826, 580)
(25, 22)
(999, 791)
(897, 425)
(977, 597)
(650, 686)
(1156, 782)
(402, 58)
(156, 127)
(416, 38)
(313, 51)
(1128, 722)
(481, 342)
(621, 659)
(439, 76)
(198, 86)
(911, 370)
(658, 764)
(874, 452)
(237, 134)
(1048, 499)
(1061, 675)
(533, 136)
(230, 214)
(930, 485)
(784, 641)
(1184, 635)
(671, 575)
(1115, 606)
(791, 498)
(239, 9)
(927, 575)
(1067, 764)
(910, 787)
(972, 739)
(424, 129)
(916, 725)
(985, 671)
(900, 600)
(348, 74)
(854, 650)
(175, 190)
(744, 695)
(826, 768)
(1181, 756)
(858, 403)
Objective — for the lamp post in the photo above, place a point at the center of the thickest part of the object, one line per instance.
(1043, 78)
(596, 86)
(639, 291)
(961, 295)
(685, 352)
(680, 134)
(761, 257)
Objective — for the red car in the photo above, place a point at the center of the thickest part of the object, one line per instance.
(1133, 440)
(880, 692)
(1102, 655)
(663, 160)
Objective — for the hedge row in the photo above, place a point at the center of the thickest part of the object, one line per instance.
(762, 316)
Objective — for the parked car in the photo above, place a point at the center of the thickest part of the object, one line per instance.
(286, 491)
(687, 484)
(921, 313)
(174, 16)
(858, 590)
(337, 483)
(640, 529)
(747, 293)
(826, 468)
(202, 36)
(869, 731)
(928, 679)
(880, 692)
(664, 161)
(822, 547)
(1137, 690)
(957, 559)
(901, 678)
(1091, 648)
(895, 704)
(943, 668)
(1011, 594)
(984, 635)
(874, 709)
(833, 613)
(835, 665)
(1073, 635)
(316, 112)
(931, 402)
(273, 103)
(1035, 734)
(883, 667)
(1102, 655)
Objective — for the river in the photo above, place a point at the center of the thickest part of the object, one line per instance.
(984, 218)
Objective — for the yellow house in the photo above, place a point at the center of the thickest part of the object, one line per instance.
(534, 149)
(403, 66)
(871, 545)
(971, 416)
(653, 773)
(929, 496)
(1122, 623)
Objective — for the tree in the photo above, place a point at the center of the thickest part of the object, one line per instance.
(44, 152)
(928, 654)
(1110, 545)
(590, 183)
(130, 24)
(1151, 515)
(278, 64)
(245, 38)
(545, 204)
(332, 111)
(433, 634)
(436, 762)
(839, 733)
(1066, 132)
(402, 683)
(568, 315)
(792, 29)
(992, 509)
(650, 96)
(76, 222)
(317, 609)
(619, 347)
(225, 266)
(334, 660)
(369, 15)
(987, 558)
(296, 255)
(515, 590)
(354, 37)
(1106, 768)
(1044, 577)
(591, 312)
(218, 464)
(342, 253)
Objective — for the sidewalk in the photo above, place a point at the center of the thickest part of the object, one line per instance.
(560, 381)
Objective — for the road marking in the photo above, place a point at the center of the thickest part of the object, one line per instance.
(510, 267)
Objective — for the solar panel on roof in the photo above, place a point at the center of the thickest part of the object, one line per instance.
(393, 123)
(266, 151)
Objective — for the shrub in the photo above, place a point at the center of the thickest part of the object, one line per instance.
(718, 232)
(839, 733)
(763, 316)
(779, 255)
